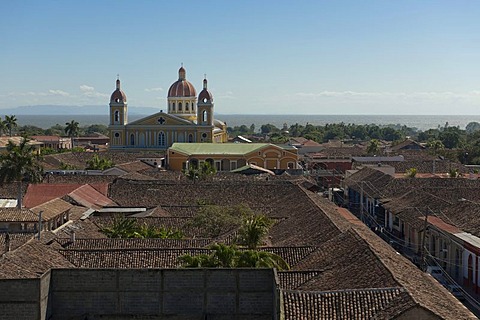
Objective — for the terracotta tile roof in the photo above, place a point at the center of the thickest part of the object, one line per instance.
(345, 304)
(52, 208)
(136, 176)
(17, 215)
(291, 280)
(326, 247)
(113, 244)
(125, 258)
(84, 229)
(337, 259)
(16, 240)
(31, 260)
(133, 166)
(406, 143)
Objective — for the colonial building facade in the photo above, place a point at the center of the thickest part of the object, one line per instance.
(188, 119)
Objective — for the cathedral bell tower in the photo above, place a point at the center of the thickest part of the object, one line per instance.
(118, 106)
(205, 106)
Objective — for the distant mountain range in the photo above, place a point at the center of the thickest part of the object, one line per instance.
(71, 110)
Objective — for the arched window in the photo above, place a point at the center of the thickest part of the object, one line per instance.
(186, 106)
(173, 106)
(132, 139)
(190, 138)
(204, 116)
(179, 106)
(161, 139)
(117, 116)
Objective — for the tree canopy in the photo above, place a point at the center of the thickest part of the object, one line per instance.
(18, 164)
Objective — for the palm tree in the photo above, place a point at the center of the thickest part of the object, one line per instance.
(436, 146)
(374, 147)
(3, 127)
(253, 229)
(19, 164)
(10, 123)
(72, 130)
(225, 256)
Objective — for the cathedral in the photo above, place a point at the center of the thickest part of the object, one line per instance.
(189, 119)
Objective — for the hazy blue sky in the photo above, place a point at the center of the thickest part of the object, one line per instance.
(265, 57)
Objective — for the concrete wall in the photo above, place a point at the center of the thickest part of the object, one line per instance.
(175, 294)
(19, 299)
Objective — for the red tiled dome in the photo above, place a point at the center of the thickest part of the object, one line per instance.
(181, 87)
(205, 95)
(118, 95)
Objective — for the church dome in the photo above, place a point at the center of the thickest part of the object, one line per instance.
(118, 95)
(205, 95)
(181, 87)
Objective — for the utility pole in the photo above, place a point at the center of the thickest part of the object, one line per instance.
(361, 201)
(422, 248)
(40, 224)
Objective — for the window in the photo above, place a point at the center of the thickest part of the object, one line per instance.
(190, 138)
(161, 139)
(132, 139)
(117, 134)
(117, 116)
(186, 106)
(180, 106)
(233, 165)
(290, 165)
(396, 221)
(204, 116)
(204, 135)
(173, 106)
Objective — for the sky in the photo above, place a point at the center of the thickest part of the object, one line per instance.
(260, 57)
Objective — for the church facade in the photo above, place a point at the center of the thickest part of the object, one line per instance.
(189, 119)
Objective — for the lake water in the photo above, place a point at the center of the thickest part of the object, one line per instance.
(422, 122)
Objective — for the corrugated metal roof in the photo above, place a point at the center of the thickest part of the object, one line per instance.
(468, 237)
(218, 148)
(8, 203)
(89, 197)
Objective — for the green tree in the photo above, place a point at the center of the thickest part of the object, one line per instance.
(451, 137)
(122, 227)
(225, 256)
(194, 173)
(253, 230)
(454, 173)
(436, 146)
(71, 130)
(212, 220)
(411, 173)
(96, 128)
(472, 127)
(19, 164)
(97, 163)
(261, 259)
(10, 123)
(268, 128)
(3, 127)
(373, 147)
